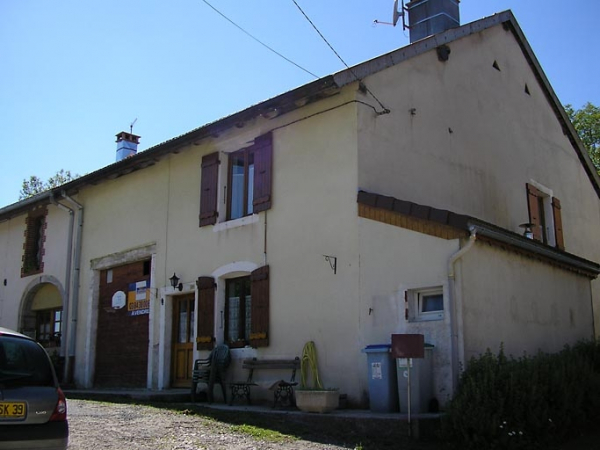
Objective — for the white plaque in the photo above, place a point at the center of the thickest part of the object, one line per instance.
(119, 300)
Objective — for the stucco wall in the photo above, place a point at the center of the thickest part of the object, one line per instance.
(523, 304)
(313, 214)
(466, 137)
(394, 260)
(12, 237)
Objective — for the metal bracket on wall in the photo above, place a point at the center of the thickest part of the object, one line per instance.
(332, 260)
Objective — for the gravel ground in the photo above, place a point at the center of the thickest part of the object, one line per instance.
(113, 426)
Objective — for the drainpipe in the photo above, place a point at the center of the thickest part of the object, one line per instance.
(72, 327)
(67, 284)
(456, 313)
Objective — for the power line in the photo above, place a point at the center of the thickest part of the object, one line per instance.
(259, 41)
(385, 110)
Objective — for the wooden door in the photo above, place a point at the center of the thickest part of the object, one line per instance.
(183, 347)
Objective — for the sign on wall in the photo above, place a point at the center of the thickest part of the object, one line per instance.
(138, 298)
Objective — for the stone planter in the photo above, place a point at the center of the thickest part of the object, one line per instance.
(317, 401)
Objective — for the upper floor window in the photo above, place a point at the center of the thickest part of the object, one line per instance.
(33, 247)
(545, 216)
(241, 184)
(248, 184)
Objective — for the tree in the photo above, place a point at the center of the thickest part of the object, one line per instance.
(587, 123)
(35, 186)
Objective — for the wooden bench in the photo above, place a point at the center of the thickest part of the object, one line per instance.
(283, 390)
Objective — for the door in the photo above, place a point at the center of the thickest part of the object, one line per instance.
(183, 347)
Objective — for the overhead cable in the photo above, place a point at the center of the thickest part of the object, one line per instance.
(259, 41)
(385, 110)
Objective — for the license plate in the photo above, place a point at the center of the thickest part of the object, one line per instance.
(12, 410)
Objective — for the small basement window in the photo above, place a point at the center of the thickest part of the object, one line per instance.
(425, 304)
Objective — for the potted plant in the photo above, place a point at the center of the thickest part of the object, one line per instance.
(314, 397)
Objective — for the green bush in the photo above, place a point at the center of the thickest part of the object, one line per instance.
(514, 403)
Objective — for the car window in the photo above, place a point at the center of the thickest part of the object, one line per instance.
(23, 363)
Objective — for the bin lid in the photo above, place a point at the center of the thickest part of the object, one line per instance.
(377, 348)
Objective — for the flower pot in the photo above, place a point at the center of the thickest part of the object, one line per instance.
(318, 401)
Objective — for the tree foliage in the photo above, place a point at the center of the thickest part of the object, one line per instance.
(35, 185)
(587, 123)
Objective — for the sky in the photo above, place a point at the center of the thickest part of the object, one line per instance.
(75, 73)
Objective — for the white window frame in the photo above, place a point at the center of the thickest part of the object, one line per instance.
(415, 299)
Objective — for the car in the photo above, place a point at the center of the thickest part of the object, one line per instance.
(33, 408)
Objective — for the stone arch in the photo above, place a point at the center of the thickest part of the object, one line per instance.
(31, 301)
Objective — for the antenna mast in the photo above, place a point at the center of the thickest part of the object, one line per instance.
(131, 126)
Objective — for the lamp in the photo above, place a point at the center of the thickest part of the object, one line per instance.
(528, 229)
(175, 282)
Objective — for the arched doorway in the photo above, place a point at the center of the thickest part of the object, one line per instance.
(42, 317)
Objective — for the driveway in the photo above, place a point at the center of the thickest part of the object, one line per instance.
(115, 426)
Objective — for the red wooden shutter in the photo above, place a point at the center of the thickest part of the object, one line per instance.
(534, 211)
(208, 189)
(263, 162)
(205, 331)
(558, 230)
(259, 333)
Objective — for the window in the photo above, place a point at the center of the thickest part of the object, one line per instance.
(248, 183)
(425, 304)
(545, 216)
(49, 327)
(241, 184)
(238, 312)
(245, 317)
(33, 247)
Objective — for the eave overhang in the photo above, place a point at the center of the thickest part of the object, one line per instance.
(372, 205)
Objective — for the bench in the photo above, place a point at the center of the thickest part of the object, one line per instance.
(283, 390)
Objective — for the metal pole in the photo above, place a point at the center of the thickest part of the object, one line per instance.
(409, 404)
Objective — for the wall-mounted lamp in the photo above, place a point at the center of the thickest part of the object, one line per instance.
(175, 282)
(528, 229)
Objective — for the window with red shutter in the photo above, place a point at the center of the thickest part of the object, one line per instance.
(259, 336)
(545, 216)
(247, 309)
(248, 186)
(263, 162)
(205, 331)
(558, 231)
(209, 185)
(249, 178)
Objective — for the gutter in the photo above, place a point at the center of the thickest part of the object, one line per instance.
(588, 268)
(455, 308)
(72, 326)
(67, 283)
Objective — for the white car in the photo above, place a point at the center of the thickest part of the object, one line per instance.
(33, 408)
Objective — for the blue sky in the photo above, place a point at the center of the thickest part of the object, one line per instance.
(75, 73)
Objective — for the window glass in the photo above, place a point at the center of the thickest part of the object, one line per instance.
(432, 302)
(238, 310)
(23, 363)
(237, 185)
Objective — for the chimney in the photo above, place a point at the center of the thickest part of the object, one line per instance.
(427, 17)
(126, 145)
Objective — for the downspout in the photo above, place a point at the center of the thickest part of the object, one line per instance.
(72, 327)
(67, 285)
(455, 313)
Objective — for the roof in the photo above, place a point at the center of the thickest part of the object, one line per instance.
(492, 234)
(314, 91)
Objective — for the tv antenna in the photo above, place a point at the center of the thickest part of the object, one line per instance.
(395, 16)
(131, 125)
